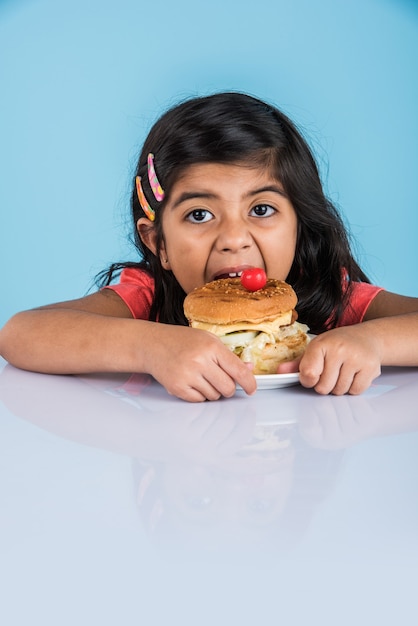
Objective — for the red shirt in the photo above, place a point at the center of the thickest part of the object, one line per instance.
(136, 288)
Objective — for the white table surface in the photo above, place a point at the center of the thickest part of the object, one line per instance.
(121, 505)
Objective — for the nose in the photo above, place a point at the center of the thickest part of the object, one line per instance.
(233, 236)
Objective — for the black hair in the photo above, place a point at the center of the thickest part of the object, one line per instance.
(237, 128)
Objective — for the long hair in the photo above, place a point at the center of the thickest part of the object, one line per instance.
(238, 128)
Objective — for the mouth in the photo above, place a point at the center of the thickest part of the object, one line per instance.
(232, 271)
(228, 275)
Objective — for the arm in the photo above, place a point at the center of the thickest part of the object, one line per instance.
(98, 334)
(348, 359)
(394, 321)
(71, 337)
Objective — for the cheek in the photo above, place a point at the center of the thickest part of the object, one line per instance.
(288, 242)
(183, 248)
(279, 256)
(186, 268)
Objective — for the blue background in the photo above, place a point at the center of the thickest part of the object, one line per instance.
(82, 81)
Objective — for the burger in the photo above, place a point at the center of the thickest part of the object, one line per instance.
(259, 326)
(268, 441)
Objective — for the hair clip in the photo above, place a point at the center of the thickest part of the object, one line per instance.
(157, 190)
(149, 212)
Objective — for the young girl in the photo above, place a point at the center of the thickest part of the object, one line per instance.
(223, 183)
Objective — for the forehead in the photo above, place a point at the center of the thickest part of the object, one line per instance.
(210, 174)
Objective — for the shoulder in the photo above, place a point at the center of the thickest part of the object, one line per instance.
(136, 276)
(359, 298)
(136, 288)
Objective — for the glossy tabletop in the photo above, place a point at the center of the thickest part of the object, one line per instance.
(120, 504)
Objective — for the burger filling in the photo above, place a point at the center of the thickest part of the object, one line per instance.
(266, 349)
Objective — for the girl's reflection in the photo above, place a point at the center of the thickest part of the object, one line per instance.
(246, 470)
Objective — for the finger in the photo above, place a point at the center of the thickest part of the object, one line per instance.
(238, 372)
(328, 381)
(189, 394)
(311, 366)
(212, 379)
(209, 390)
(198, 390)
(221, 375)
(211, 386)
(289, 367)
(324, 370)
(362, 381)
(346, 376)
(354, 381)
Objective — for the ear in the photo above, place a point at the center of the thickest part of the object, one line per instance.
(148, 234)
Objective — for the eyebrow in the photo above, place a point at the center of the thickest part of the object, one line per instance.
(273, 188)
(193, 195)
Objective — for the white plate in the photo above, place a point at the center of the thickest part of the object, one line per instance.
(276, 381)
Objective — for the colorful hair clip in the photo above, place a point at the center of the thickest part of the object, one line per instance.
(149, 212)
(157, 190)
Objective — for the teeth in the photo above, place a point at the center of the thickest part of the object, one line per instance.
(234, 274)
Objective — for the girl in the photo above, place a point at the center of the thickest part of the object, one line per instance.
(223, 183)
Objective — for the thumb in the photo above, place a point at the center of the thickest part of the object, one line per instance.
(289, 367)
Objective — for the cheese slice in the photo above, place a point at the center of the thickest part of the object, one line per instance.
(265, 326)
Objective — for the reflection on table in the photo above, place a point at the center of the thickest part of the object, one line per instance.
(240, 471)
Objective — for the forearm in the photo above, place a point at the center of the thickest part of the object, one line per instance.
(65, 341)
(191, 364)
(397, 337)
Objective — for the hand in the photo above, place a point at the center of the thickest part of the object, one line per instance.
(338, 423)
(195, 365)
(342, 360)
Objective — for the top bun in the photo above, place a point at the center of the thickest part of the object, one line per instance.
(226, 301)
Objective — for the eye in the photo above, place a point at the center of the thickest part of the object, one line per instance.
(199, 215)
(262, 210)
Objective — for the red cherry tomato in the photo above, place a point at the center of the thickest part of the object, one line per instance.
(253, 279)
